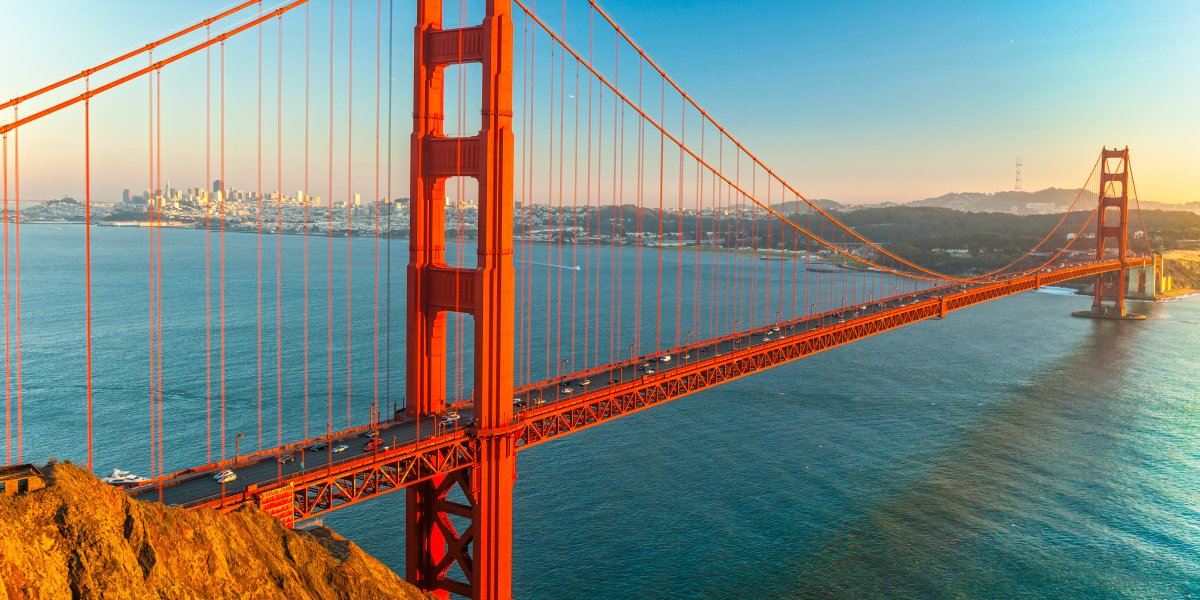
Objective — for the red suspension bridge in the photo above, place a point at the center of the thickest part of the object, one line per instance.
(629, 251)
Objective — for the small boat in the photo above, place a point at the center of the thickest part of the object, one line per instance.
(123, 478)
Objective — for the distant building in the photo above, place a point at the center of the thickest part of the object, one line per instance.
(125, 196)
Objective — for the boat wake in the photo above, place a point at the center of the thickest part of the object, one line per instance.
(1057, 291)
(552, 266)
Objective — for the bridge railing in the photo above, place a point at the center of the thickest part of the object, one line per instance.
(334, 468)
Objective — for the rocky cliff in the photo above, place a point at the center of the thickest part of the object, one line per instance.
(79, 538)
(1184, 268)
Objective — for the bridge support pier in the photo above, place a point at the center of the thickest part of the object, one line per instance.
(482, 547)
(1112, 224)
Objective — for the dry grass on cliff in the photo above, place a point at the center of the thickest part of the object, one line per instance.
(80, 538)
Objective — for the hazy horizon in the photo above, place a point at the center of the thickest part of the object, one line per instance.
(861, 104)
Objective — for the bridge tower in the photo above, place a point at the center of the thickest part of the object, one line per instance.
(1112, 225)
(483, 550)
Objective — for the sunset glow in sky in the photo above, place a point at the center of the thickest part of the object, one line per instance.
(856, 102)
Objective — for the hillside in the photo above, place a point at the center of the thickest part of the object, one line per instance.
(80, 538)
(1184, 268)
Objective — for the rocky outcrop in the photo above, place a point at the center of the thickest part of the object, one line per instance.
(1184, 268)
(80, 538)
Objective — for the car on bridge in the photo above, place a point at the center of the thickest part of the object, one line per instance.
(318, 447)
(340, 448)
(225, 476)
(373, 444)
(287, 458)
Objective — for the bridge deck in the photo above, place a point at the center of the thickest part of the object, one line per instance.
(321, 480)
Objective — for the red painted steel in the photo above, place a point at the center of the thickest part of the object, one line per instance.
(486, 292)
(1114, 193)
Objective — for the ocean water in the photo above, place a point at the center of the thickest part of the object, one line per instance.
(1007, 451)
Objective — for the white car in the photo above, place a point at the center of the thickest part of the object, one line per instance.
(585, 382)
(567, 390)
(340, 448)
(664, 358)
(225, 476)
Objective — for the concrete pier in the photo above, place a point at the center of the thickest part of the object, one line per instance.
(1108, 312)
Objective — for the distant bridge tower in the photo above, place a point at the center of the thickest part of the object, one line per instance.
(435, 544)
(1017, 184)
(1112, 225)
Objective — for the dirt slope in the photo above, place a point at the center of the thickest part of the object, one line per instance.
(80, 538)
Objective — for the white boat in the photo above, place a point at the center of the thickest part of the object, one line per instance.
(120, 477)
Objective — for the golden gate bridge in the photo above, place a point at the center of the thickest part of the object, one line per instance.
(545, 134)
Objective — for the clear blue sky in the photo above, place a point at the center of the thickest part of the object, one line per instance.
(866, 101)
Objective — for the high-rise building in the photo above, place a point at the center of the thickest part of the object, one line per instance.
(216, 185)
(125, 196)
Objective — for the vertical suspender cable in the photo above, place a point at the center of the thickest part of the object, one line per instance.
(87, 256)
(639, 244)
(17, 288)
(388, 267)
(258, 194)
(221, 299)
(7, 363)
(522, 226)
(550, 203)
(659, 237)
(153, 198)
(279, 243)
(307, 203)
(587, 214)
(208, 194)
(158, 276)
(329, 250)
(662, 149)
(375, 201)
(349, 187)
(679, 240)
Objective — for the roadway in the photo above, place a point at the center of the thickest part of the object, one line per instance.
(311, 456)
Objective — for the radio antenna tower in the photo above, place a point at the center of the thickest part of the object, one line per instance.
(1017, 186)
